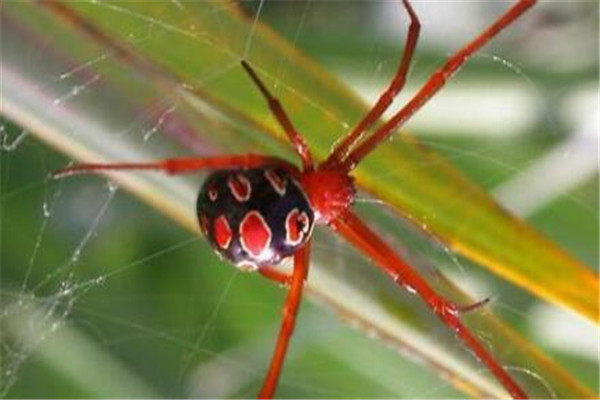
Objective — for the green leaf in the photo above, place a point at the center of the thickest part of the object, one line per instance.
(432, 193)
(219, 108)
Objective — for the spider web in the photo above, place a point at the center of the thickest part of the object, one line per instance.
(102, 297)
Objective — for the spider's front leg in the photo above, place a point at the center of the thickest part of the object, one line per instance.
(367, 241)
(276, 108)
(435, 82)
(174, 166)
(387, 97)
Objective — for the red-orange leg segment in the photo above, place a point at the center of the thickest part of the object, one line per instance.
(387, 97)
(277, 109)
(290, 311)
(435, 83)
(273, 275)
(362, 237)
(182, 165)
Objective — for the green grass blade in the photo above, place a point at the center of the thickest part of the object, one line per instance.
(223, 101)
(431, 192)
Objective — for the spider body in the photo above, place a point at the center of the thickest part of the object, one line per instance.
(330, 191)
(256, 210)
(254, 217)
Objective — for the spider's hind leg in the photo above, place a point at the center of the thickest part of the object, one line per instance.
(290, 312)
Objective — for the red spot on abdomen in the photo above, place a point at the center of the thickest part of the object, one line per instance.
(240, 187)
(297, 226)
(222, 232)
(213, 194)
(255, 234)
(276, 181)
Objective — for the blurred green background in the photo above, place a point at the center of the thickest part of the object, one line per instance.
(141, 308)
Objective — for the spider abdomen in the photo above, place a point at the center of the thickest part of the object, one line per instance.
(254, 217)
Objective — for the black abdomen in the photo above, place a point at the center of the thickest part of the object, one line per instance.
(254, 217)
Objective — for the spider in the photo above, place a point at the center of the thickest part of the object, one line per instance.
(256, 210)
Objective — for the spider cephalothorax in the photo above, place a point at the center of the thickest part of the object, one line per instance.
(330, 192)
(256, 209)
(254, 217)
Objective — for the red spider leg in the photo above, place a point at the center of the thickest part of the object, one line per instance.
(279, 113)
(361, 236)
(387, 97)
(290, 311)
(435, 83)
(181, 165)
(474, 306)
(275, 276)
